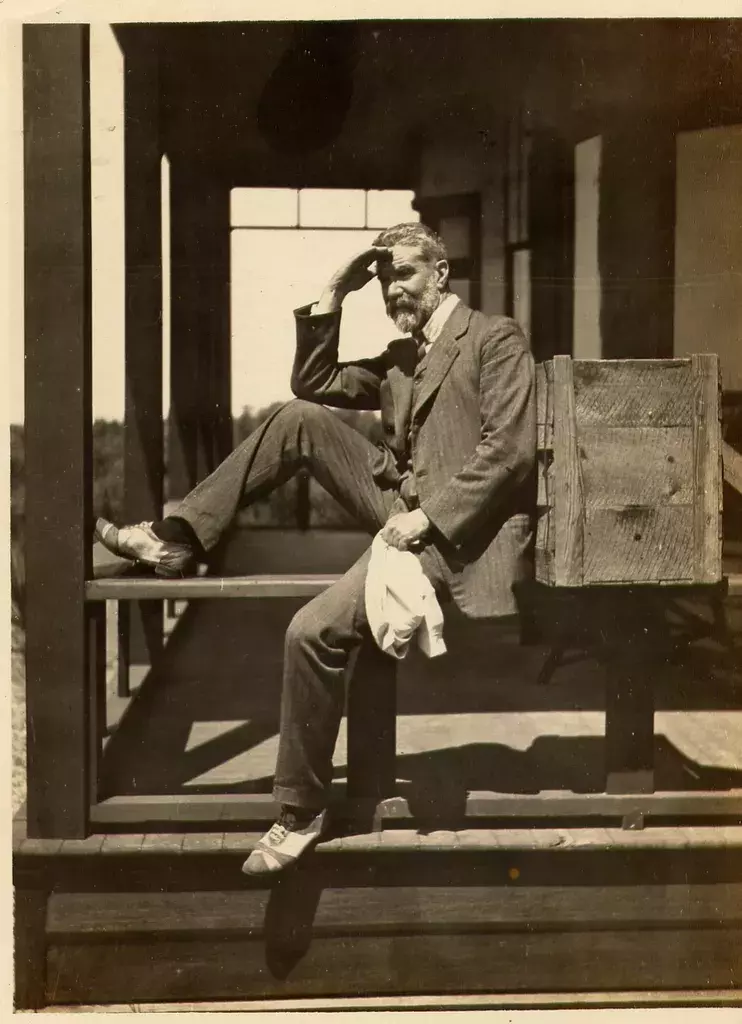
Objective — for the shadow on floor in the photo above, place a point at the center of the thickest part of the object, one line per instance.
(216, 696)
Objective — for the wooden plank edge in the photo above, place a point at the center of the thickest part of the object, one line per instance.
(259, 586)
(707, 468)
(496, 1001)
(567, 496)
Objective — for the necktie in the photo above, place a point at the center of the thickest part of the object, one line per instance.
(421, 353)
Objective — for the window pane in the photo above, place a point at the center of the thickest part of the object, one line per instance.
(262, 303)
(456, 234)
(390, 207)
(263, 207)
(332, 208)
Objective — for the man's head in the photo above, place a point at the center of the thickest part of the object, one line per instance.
(414, 277)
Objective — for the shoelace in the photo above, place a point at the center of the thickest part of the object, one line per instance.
(277, 833)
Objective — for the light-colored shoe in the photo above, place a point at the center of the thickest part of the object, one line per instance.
(140, 544)
(284, 843)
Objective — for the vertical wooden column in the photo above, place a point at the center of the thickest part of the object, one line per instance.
(31, 899)
(143, 435)
(200, 433)
(58, 424)
(551, 237)
(636, 241)
(217, 261)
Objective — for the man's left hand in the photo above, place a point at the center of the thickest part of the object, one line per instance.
(406, 529)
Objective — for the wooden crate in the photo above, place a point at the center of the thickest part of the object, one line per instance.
(629, 471)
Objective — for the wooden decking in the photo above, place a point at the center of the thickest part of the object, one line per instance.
(510, 913)
(206, 721)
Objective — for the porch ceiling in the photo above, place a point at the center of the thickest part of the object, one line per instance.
(352, 103)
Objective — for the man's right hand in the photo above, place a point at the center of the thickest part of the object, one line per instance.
(351, 277)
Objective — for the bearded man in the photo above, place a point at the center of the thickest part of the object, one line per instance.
(452, 481)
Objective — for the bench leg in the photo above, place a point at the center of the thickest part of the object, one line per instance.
(372, 732)
(140, 638)
(629, 722)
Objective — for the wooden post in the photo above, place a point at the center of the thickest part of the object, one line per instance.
(636, 241)
(58, 424)
(551, 239)
(200, 433)
(29, 942)
(143, 433)
(630, 626)
(372, 726)
(96, 631)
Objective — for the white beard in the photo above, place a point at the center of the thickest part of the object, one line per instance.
(406, 320)
(409, 320)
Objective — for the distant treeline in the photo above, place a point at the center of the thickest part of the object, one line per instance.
(278, 509)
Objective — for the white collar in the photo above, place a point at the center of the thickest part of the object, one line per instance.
(438, 318)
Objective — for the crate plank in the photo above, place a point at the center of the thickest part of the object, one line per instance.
(639, 545)
(707, 469)
(568, 499)
(633, 392)
(614, 474)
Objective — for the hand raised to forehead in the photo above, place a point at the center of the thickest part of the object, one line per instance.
(356, 272)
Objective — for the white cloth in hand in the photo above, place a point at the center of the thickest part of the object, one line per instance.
(400, 601)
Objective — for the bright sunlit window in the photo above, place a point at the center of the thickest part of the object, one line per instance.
(285, 245)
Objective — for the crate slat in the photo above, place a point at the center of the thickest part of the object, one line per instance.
(630, 489)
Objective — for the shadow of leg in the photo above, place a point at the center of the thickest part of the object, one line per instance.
(289, 918)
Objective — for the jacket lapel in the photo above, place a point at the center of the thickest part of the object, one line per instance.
(441, 356)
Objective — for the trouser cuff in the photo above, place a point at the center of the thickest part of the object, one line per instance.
(308, 800)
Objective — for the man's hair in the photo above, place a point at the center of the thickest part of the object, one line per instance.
(422, 237)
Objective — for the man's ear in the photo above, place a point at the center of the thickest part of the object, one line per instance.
(442, 271)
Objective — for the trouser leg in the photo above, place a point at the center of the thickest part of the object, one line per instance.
(299, 435)
(320, 643)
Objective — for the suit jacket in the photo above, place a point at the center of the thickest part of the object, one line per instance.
(467, 416)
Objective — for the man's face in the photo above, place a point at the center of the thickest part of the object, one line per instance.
(411, 286)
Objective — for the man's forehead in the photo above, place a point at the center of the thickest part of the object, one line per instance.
(401, 254)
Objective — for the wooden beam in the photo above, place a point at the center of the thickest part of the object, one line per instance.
(636, 239)
(200, 422)
(213, 587)
(58, 423)
(144, 455)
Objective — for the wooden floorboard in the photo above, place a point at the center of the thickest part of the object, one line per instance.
(405, 963)
(378, 911)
